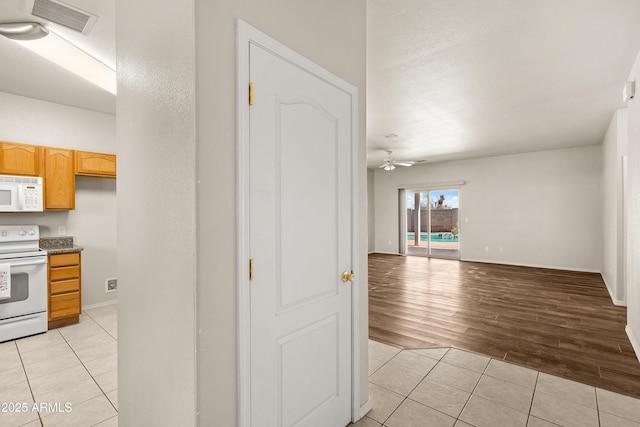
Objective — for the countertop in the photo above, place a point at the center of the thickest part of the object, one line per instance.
(63, 250)
(59, 245)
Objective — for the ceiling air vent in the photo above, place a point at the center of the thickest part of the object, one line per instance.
(64, 15)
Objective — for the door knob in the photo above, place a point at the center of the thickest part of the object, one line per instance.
(348, 277)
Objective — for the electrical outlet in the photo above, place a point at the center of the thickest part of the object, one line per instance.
(62, 230)
(501, 249)
(111, 285)
(486, 248)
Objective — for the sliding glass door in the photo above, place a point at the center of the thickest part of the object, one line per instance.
(431, 223)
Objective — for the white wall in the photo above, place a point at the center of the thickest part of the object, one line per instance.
(633, 216)
(614, 146)
(156, 213)
(31, 121)
(331, 33)
(172, 264)
(543, 208)
(371, 211)
(93, 222)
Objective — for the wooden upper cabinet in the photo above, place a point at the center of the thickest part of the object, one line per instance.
(57, 166)
(95, 164)
(19, 159)
(59, 179)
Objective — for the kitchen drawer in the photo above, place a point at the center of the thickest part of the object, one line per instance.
(62, 273)
(64, 305)
(61, 260)
(65, 286)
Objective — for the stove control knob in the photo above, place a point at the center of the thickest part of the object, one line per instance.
(31, 232)
(22, 233)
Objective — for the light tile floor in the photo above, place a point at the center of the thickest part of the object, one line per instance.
(449, 387)
(77, 366)
(65, 377)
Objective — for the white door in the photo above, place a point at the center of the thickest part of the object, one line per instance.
(300, 243)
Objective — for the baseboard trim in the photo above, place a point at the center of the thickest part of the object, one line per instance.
(634, 343)
(613, 298)
(618, 302)
(549, 267)
(100, 304)
(364, 409)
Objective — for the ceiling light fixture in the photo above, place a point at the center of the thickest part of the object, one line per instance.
(23, 30)
(31, 35)
(390, 163)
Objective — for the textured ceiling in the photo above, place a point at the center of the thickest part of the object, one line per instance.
(466, 78)
(453, 79)
(25, 73)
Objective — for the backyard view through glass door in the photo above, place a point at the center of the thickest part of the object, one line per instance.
(432, 223)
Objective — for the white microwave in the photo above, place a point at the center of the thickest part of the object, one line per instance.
(20, 193)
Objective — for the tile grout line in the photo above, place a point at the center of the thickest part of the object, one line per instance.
(483, 374)
(407, 396)
(27, 377)
(100, 422)
(394, 411)
(595, 390)
(404, 397)
(425, 377)
(381, 366)
(416, 386)
(533, 396)
(474, 389)
(99, 324)
(88, 372)
(105, 394)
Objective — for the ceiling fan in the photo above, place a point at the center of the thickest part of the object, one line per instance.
(391, 163)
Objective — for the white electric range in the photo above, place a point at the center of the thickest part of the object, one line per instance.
(23, 282)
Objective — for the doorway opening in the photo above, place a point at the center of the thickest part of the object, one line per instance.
(431, 222)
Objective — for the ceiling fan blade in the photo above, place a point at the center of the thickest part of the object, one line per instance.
(383, 165)
(403, 163)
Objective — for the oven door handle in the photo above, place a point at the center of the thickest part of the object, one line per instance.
(19, 263)
(20, 318)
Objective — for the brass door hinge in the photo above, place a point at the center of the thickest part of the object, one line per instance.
(250, 93)
(250, 270)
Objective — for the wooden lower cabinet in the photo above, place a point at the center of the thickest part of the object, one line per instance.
(65, 290)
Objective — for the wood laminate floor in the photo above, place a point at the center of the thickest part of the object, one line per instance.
(558, 322)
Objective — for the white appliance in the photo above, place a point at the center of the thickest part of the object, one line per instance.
(20, 193)
(23, 310)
